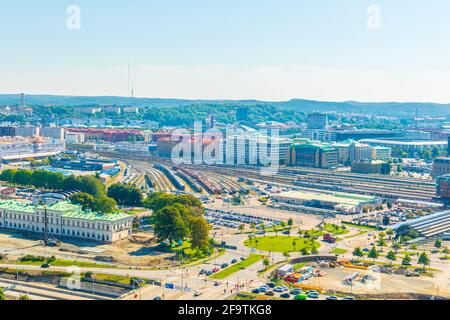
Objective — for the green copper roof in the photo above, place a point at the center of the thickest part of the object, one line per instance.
(67, 209)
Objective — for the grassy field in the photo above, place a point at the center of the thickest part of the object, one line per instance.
(360, 227)
(252, 259)
(60, 263)
(281, 244)
(360, 233)
(338, 251)
(112, 278)
(335, 229)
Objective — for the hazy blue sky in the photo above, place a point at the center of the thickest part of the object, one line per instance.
(262, 49)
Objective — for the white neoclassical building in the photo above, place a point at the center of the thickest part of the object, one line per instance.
(65, 220)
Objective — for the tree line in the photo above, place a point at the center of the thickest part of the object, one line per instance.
(43, 179)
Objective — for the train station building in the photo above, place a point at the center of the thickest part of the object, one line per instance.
(65, 220)
(341, 202)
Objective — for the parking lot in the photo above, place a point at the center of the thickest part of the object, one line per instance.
(234, 220)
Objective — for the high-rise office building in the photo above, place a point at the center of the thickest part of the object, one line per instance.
(317, 120)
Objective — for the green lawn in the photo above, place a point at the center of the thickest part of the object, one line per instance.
(314, 233)
(281, 244)
(360, 227)
(360, 233)
(335, 229)
(338, 251)
(112, 278)
(60, 263)
(252, 259)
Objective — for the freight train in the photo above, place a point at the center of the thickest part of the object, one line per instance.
(172, 178)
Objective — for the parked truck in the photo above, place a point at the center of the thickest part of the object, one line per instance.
(328, 238)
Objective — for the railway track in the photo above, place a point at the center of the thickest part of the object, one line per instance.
(317, 179)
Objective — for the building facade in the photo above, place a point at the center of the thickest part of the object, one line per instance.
(65, 220)
(359, 151)
(381, 153)
(441, 166)
(317, 120)
(312, 155)
(52, 132)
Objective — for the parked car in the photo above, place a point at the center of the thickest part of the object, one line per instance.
(225, 265)
(285, 296)
(295, 292)
(332, 298)
(234, 261)
(45, 266)
(270, 293)
(271, 285)
(217, 283)
(157, 298)
(256, 291)
(202, 272)
(215, 270)
(313, 295)
(349, 298)
(301, 297)
(197, 293)
(278, 289)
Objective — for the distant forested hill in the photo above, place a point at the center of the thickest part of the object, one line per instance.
(406, 110)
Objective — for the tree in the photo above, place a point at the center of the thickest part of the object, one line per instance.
(290, 222)
(85, 200)
(159, 200)
(104, 205)
(381, 242)
(286, 254)
(125, 194)
(169, 224)
(373, 254)
(358, 253)
(199, 233)
(23, 177)
(389, 205)
(2, 295)
(8, 175)
(266, 263)
(390, 232)
(391, 257)
(396, 246)
(241, 228)
(314, 250)
(91, 185)
(386, 220)
(438, 243)
(406, 260)
(24, 297)
(424, 260)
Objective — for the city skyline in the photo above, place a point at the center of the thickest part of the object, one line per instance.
(248, 50)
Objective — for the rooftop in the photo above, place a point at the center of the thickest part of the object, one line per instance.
(338, 198)
(67, 209)
(405, 143)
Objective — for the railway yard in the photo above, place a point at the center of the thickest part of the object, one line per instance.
(232, 224)
(225, 179)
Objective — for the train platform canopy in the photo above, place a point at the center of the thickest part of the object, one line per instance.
(429, 226)
(343, 202)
